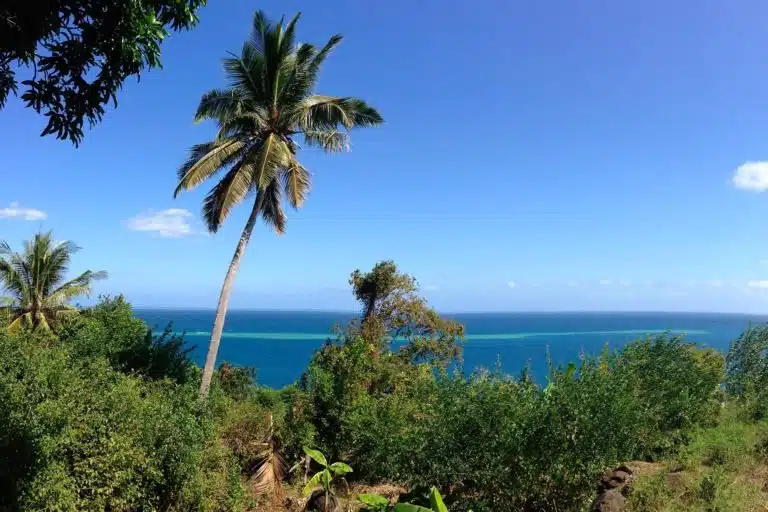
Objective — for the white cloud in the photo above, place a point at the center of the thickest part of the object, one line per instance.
(605, 282)
(624, 282)
(752, 176)
(691, 283)
(715, 283)
(18, 213)
(511, 284)
(430, 288)
(170, 223)
(758, 284)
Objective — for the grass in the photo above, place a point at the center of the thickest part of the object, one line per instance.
(724, 468)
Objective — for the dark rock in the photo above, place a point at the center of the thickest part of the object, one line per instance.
(609, 501)
(620, 475)
(317, 502)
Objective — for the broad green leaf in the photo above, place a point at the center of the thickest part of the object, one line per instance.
(317, 456)
(437, 501)
(313, 482)
(340, 468)
(373, 500)
(407, 507)
(325, 479)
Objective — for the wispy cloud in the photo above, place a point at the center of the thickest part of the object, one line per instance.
(170, 223)
(625, 282)
(752, 176)
(16, 212)
(605, 282)
(430, 288)
(758, 284)
(511, 284)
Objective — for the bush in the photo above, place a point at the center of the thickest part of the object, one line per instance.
(110, 330)
(747, 371)
(78, 435)
(502, 443)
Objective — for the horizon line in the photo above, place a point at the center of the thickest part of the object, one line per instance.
(462, 312)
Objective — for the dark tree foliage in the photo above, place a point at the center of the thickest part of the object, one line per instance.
(79, 53)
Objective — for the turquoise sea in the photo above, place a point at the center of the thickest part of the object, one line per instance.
(279, 344)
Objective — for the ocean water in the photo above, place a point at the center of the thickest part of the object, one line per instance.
(280, 344)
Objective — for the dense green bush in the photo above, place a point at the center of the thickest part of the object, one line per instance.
(505, 443)
(104, 415)
(110, 330)
(747, 371)
(75, 434)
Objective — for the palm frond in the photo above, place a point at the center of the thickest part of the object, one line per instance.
(20, 322)
(330, 141)
(205, 160)
(228, 192)
(326, 50)
(40, 322)
(80, 286)
(299, 81)
(261, 26)
(246, 72)
(12, 281)
(272, 155)
(243, 127)
(318, 113)
(297, 181)
(271, 201)
(220, 104)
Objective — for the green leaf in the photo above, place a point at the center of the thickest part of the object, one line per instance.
(313, 482)
(316, 456)
(437, 501)
(373, 500)
(407, 507)
(340, 468)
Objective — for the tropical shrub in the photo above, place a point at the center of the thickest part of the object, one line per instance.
(77, 435)
(747, 371)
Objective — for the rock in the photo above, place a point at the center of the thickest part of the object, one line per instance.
(612, 490)
(609, 501)
(317, 503)
(620, 475)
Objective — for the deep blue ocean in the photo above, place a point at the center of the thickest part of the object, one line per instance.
(280, 344)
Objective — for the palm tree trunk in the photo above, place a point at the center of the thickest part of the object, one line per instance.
(226, 290)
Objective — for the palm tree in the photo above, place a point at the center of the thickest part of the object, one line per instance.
(39, 296)
(270, 102)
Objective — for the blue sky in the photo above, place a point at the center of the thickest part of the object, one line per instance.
(555, 155)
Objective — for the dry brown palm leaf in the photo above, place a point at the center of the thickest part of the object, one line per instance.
(270, 468)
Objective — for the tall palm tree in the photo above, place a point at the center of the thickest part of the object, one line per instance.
(270, 102)
(34, 279)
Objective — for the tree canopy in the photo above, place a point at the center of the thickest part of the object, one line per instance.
(270, 102)
(79, 53)
(35, 281)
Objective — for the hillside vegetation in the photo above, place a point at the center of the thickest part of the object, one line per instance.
(100, 414)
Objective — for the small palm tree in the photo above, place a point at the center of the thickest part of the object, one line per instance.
(34, 279)
(269, 104)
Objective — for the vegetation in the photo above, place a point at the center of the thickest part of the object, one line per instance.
(324, 479)
(270, 102)
(81, 52)
(39, 295)
(99, 413)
